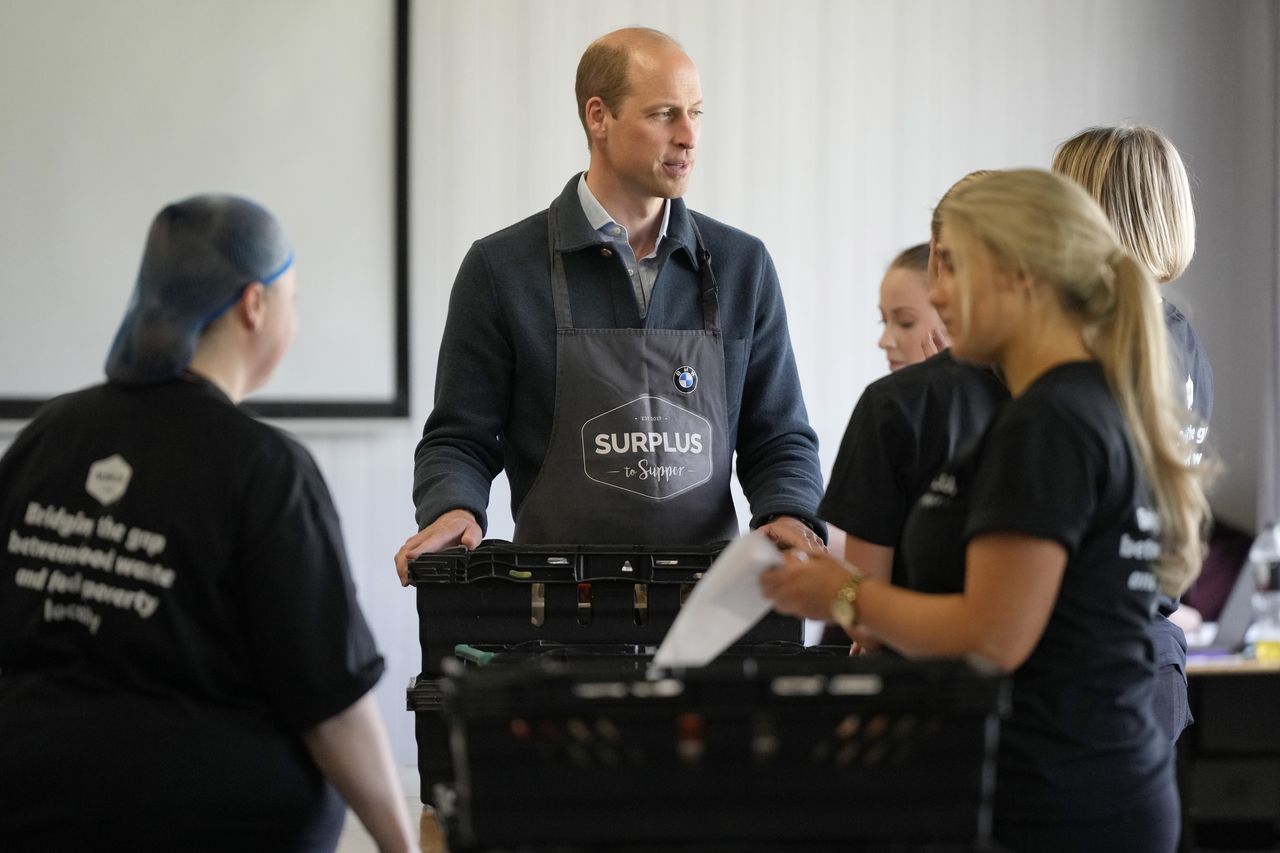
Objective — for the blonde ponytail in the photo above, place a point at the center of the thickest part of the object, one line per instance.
(1048, 226)
(1132, 345)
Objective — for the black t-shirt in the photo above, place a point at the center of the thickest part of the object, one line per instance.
(905, 426)
(178, 610)
(1056, 464)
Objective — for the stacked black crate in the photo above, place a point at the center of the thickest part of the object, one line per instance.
(524, 599)
(758, 751)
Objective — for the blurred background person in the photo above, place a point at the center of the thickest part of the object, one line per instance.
(1138, 179)
(904, 426)
(912, 329)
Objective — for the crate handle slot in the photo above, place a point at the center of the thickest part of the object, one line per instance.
(641, 600)
(584, 603)
(538, 604)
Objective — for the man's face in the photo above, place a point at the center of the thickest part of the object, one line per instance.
(647, 149)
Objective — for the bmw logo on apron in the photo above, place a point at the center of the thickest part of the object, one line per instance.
(686, 379)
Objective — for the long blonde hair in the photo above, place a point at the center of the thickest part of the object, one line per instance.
(1047, 227)
(1137, 176)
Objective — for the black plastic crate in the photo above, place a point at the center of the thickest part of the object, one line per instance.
(502, 594)
(424, 698)
(783, 750)
(425, 695)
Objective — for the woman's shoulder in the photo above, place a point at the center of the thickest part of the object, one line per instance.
(1069, 400)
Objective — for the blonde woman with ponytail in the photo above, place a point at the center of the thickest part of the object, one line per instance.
(1043, 544)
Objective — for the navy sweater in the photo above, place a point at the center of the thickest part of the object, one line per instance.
(495, 380)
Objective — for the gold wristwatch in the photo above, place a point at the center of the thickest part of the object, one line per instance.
(844, 607)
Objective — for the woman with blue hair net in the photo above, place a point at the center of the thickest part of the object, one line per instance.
(184, 663)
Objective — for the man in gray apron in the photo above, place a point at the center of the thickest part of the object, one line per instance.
(615, 351)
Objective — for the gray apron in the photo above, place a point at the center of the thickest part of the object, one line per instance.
(639, 453)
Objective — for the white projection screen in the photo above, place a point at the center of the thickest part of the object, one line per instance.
(108, 111)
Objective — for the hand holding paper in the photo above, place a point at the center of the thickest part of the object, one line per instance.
(724, 605)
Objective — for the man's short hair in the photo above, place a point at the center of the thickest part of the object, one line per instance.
(603, 69)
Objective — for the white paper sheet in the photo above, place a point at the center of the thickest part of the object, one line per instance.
(724, 605)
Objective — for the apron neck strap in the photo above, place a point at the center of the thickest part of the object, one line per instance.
(707, 276)
(559, 282)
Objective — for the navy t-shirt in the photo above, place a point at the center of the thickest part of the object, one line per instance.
(1056, 464)
(1195, 374)
(1193, 392)
(177, 611)
(905, 426)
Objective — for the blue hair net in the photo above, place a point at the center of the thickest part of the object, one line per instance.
(200, 255)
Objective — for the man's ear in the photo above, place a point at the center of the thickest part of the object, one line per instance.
(595, 113)
(251, 309)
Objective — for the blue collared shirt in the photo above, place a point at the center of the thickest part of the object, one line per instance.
(643, 272)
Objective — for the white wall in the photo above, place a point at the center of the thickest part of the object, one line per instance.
(832, 128)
